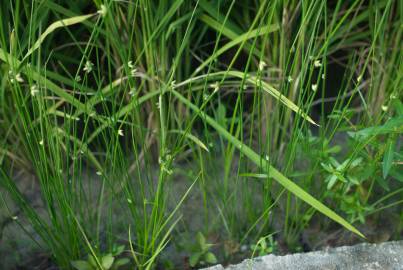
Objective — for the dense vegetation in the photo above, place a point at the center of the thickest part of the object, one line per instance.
(174, 134)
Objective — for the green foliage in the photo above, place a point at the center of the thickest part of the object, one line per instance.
(265, 245)
(200, 252)
(346, 173)
(107, 261)
(284, 112)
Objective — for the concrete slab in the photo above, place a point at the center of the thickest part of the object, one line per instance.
(384, 256)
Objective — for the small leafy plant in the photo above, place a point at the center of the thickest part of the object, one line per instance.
(108, 261)
(343, 172)
(264, 246)
(201, 253)
(345, 183)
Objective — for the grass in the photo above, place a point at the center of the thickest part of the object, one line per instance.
(263, 118)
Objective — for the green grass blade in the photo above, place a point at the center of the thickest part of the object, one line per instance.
(237, 40)
(54, 26)
(253, 80)
(191, 137)
(30, 71)
(274, 173)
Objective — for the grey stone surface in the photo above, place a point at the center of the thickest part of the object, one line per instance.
(385, 256)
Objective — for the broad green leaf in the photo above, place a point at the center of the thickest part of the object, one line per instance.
(107, 261)
(118, 250)
(210, 258)
(201, 240)
(194, 259)
(120, 262)
(265, 165)
(92, 260)
(394, 125)
(81, 265)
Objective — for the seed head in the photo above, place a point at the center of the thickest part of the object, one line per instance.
(34, 90)
(88, 66)
(133, 72)
(102, 11)
(215, 86)
(262, 65)
(15, 78)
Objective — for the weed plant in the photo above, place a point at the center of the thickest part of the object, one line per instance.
(206, 126)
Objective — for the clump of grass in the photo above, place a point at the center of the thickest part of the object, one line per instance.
(107, 103)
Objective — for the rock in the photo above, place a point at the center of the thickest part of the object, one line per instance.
(385, 256)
